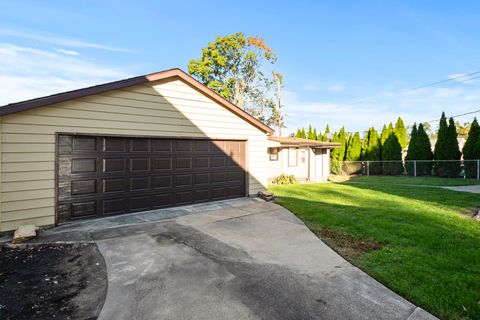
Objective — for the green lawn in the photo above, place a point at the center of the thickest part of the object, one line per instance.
(428, 247)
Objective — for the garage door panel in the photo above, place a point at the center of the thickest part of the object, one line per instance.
(217, 177)
(235, 191)
(183, 163)
(235, 176)
(114, 185)
(162, 146)
(162, 182)
(115, 206)
(140, 203)
(201, 162)
(84, 165)
(183, 180)
(162, 200)
(139, 164)
(114, 165)
(201, 146)
(202, 195)
(218, 193)
(84, 143)
(183, 146)
(111, 144)
(114, 175)
(79, 187)
(139, 145)
(83, 209)
(140, 183)
(218, 162)
(184, 197)
(161, 164)
(201, 179)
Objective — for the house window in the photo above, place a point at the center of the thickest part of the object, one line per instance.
(292, 157)
(302, 156)
(273, 154)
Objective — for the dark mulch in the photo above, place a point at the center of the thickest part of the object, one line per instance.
(346, 245)
(52, 282)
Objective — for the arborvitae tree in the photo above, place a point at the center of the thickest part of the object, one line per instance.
(303, 135)
(424, 152)
(327, 131)
(335, 157)
(363, 149)
(454, 154)
(299, 133)
(401, 132)
(320, 137)
(446, 148)
(441, 146)
(391, 129)
(372, 151)
(470, 150)
(314, 134)
(412, 152)
(392, 155)
(353, 152)
(384, 134)
(342, 138)
(440, 152)
(310, 133)
(354, 147)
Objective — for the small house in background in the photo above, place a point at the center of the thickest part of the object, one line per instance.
(306, 160)
(461, 143)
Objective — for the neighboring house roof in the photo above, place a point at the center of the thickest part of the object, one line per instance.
(162, 75)
(297, 142)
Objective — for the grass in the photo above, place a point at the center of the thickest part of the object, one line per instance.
(426, 181)
(421, 242)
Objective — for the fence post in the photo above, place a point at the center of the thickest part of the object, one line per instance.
(478, 169)
(414, 168)
(368, 168)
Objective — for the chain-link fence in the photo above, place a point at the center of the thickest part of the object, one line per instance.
(416, 168)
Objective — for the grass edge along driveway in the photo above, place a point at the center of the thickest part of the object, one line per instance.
(417, 240)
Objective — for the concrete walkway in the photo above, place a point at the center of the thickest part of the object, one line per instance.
(471, 189)
(237, 259)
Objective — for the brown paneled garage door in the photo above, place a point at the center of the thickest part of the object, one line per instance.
(98, 176)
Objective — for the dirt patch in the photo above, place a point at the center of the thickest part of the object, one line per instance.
(339, 178)
(346, 245)
(52, 282)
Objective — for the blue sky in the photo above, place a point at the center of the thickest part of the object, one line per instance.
(331, 53)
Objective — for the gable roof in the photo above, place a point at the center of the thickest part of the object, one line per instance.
(162, 75)
(298, 142)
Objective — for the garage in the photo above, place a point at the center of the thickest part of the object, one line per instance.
(100, 176)
(143, 143)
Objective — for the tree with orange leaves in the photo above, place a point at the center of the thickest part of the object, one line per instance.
(234, 67)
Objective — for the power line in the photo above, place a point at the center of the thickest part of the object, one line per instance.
(457, 79)
(455, 116)
(448, 80)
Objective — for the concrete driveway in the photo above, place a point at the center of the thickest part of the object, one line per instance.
(252, 261)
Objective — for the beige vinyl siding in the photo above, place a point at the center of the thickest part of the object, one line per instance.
(171, 108)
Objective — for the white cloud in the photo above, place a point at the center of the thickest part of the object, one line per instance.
(331, 88)
(335, 88)
(420, 105)
(68, 52)
(311, 87)
(27, 73)
(58, 40)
